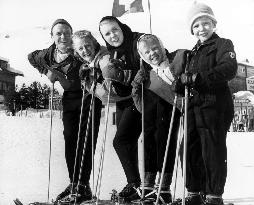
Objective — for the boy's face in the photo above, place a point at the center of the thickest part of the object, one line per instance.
(61, 35)
(112, 33)
(85, 48)
(151, 51)
(203, 28)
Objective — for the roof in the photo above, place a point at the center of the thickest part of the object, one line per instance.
(245, 63)
(4, 59)
(17, 72)
(10, 69)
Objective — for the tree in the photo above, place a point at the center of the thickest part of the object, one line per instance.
(34, 96)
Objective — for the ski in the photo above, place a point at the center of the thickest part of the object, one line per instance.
(18, 202)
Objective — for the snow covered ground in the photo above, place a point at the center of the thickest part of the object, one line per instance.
(24, 153)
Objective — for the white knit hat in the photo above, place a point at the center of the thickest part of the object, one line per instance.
(197, 10)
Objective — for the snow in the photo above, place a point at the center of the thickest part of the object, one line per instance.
(24, 153)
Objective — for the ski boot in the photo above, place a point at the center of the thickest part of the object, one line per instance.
(190, 200)
(81, 195)
(130, 193)
(65, 193)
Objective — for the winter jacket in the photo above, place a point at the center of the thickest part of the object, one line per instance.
(153, 82)
(42, 59)
(127, 52)
(215, 64)
(101, 63)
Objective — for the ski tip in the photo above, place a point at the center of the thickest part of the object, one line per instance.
(17, 202)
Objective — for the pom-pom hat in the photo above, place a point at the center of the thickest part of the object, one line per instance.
(198, 10)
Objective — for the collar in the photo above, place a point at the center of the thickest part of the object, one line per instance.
(211, 40)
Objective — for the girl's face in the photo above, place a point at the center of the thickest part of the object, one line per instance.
(85, 48)
(151, 51)
(203, 28)
(112, 33)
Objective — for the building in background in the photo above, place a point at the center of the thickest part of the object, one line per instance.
(7, 78)
(245, 70)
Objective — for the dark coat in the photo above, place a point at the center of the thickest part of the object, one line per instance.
(128, 53)
(215, 63)
(156, 87)
(41, 59)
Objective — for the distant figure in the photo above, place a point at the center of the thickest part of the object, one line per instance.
(251, 120)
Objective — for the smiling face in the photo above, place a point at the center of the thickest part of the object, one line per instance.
(203, 28)
(85, 48)
(112, 33)
(61, 34)
(151, 51)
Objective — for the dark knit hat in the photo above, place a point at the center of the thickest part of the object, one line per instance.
(198, 10)
(60, 21)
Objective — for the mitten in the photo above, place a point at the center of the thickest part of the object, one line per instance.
(188, 79)
(84, 72)
(178, 87)
(113, 72)
(118, 63)
(140, 77)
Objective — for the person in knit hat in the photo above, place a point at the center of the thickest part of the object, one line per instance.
(58, 63)
(211, 64)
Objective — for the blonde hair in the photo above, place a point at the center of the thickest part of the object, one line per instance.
(82, 34)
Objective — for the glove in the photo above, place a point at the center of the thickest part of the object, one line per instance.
(141, 76)
(188, 79)
(84, 72)
(178, 87)
(118, 63)
(112, 72)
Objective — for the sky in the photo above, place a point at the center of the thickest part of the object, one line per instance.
(25, 26)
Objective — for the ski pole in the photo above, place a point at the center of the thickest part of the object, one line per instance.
(179, 140)
(85, 143)
(104, 142)
(186, 98)
(50, 138)
(143, 133)
(166, 151)
(143, 140)
(78, 140)
(93, 148)
(185, 141)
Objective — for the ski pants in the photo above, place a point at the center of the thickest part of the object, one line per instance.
(128, 121)
(157, 121)
(209, 119)
(71, 116)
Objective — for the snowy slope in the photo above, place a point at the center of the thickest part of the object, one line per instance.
(24, 151)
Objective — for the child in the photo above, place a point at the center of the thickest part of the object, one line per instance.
(211, 65)
(158, 76)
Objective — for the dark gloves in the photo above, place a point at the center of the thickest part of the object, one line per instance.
(113, 71)
(118, 63)
(185, 79)
(188, 79)
(178, 87)
(141, 76)
(84, 72)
